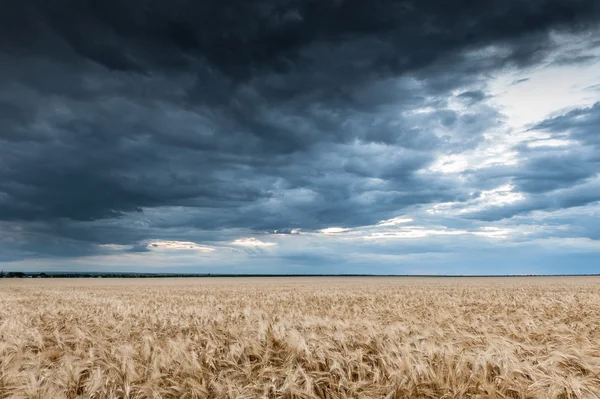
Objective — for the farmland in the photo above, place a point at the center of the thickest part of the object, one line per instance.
(360, 337)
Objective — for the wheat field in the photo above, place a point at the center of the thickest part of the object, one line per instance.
(300, 338)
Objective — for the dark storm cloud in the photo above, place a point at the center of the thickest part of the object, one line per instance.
(263, 115)
(242, 36)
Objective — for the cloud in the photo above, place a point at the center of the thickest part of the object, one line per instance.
(252, 242)
(579, 124)
(559, 171)
(191, 127)
(394, 221)
(160, 245)
(333, 230)
(473, 96)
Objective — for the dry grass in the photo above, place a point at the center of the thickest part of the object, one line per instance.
(302, 338)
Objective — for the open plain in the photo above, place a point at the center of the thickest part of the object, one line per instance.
(530, 337)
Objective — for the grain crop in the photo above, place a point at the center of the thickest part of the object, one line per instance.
(300, 338)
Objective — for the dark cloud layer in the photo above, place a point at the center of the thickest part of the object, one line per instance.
(264, 115)
(241, 37)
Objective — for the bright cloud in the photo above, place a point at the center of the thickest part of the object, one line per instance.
(252, 242)
(159, 245)
(394, 221)
(333, 230)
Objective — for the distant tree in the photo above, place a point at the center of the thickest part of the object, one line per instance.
(15, 275)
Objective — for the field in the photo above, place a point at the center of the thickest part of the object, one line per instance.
(300, 338)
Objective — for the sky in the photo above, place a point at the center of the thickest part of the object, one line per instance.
(300, 136)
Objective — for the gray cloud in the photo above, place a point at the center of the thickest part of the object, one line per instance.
(274, 116)
(473, 96)
(579, 124)
(237, 39)
(552, 177)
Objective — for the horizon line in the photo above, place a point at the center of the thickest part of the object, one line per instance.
(249, 275)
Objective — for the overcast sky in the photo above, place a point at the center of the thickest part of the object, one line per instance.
(309, 136)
